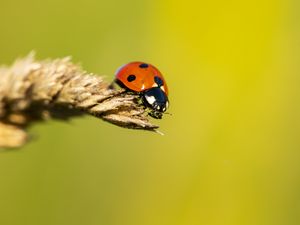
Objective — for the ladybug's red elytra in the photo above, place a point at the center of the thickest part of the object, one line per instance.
(146, 80)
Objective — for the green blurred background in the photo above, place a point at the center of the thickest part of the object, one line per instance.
(230, 154)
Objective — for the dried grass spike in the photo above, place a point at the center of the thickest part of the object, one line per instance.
(35, 90)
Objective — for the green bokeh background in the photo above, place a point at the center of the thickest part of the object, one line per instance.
(231, 150)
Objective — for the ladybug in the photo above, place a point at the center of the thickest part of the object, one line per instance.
(147, 81)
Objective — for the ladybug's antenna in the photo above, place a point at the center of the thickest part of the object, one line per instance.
(170, 114)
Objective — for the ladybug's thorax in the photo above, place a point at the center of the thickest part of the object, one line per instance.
(156, 99)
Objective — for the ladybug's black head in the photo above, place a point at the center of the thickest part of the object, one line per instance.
(156, 99)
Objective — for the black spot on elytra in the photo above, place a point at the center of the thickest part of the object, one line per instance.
(131, 78)
(144, 65)
(158, 81)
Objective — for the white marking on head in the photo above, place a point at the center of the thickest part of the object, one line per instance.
(150, 99)
(155, 85)
(158, 107)
(162, 88)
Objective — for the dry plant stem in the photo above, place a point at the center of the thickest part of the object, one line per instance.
(32, 90)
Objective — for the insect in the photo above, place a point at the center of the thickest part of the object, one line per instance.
(147, 81)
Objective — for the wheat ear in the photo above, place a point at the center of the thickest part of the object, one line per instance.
(32, 90)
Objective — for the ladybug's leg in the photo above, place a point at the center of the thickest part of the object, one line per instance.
(140, 100)
(112, 85)
(156, 114)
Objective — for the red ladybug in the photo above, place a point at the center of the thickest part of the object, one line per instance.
(146, 80)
